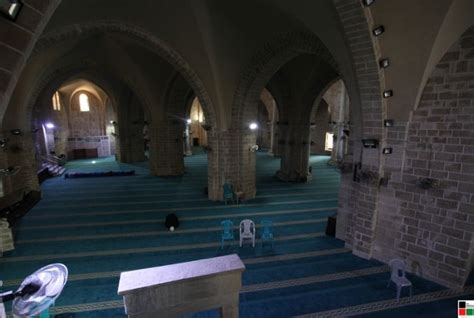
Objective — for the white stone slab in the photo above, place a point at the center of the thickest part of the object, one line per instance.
(133, 281)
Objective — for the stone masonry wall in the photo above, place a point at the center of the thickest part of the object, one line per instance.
(433, 228)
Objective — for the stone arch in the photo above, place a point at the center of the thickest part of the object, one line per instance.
(267, 62)
(51, 81)
(274, 54)
(19, 51)
(145, 39)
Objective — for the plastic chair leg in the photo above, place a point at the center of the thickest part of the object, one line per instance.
(398, 292)
(411, 289)
(388, 284)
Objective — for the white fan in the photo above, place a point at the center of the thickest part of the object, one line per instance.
(38, 291)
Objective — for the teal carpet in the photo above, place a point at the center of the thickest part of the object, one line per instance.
(98, 227)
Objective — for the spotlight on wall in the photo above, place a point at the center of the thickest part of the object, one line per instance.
(367, 3)
(253, 126)
(189, 121)
(387, 151)
(3, 142)
(370, 143)
(49, 125)
(15, 132)
(388, 122)
(388, 93)
(384, 63)
(10, 8)
(378, 30)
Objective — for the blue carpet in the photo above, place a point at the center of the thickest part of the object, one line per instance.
(101, 226)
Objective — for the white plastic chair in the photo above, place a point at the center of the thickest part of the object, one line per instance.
(247, 231)
(397, 275)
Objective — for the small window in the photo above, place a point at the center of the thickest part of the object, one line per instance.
(56, 102)
(329, 142)
(84, 103)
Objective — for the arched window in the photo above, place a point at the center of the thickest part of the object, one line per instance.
(84, 103)
(56, 102)
(196, 111)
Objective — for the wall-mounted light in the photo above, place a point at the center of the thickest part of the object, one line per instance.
(113, 122)
(388, 93)
(3, 142)
(189, 121)
(388, 122)
(384, 63)
(370, 143)
(387, 151)
(10, 8)
(253, 126)
(49, 125)
(379, 30)
(367, 3)
(15, 132)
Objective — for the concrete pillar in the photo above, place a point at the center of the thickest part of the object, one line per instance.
(295, 153)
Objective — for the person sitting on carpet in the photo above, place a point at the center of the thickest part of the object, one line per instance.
(171, 222)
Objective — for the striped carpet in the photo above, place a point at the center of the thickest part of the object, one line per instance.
(99, 227)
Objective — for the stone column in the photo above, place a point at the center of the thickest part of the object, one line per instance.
(271, 149)
(166, 148)
(230, 160)
(295, 153)
(187, 140)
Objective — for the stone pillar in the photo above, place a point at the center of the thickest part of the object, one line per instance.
(132, 144)
(187, 141)
(272, 147)
(230, 160)
(295, 153)
(21, 152)
(166, 148)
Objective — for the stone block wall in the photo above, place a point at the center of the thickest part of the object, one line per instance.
(358, 205)
(428, 210)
